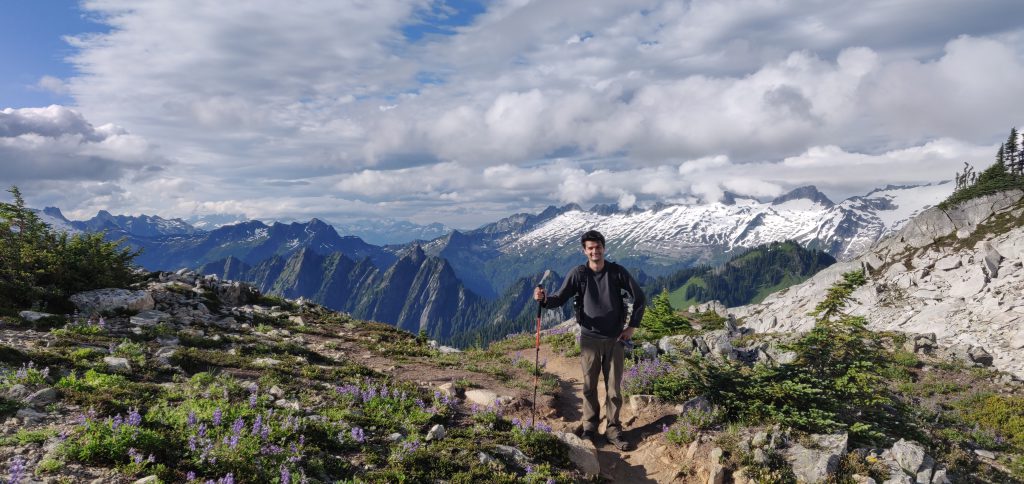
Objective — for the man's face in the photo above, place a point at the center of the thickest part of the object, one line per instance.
(593, 250)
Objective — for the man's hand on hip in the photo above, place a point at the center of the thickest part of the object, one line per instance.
(627, 333)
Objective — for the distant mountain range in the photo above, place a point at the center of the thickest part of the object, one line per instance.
(465, 279)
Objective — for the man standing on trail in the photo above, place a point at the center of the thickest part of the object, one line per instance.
(604, 331)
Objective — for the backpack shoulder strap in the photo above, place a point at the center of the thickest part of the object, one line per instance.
(581, 274)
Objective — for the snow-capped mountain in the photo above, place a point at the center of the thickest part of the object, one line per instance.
(672, 232)
(139, 226)
(387, 231)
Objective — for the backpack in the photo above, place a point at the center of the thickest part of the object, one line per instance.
(619, 278)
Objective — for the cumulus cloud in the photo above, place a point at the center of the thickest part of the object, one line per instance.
(57, 143)
(526, 104)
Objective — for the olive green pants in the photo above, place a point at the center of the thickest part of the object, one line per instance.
(602, 356)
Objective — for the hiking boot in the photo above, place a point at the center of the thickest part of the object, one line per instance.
(619, 442)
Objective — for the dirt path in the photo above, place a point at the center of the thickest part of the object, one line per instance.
(639, 465)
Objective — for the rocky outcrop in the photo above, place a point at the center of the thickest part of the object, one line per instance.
(100, 300)
(955, 274)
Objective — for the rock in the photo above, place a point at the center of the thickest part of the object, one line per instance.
(988, 454)
(718, 343)
(716, 474)
(640, 403)
(484, 398)
(100, 300)
(395, 437)
(698, 403)
(873, 261)
(947, 263)
(990, 260)
(921, 343)
(676, 344)
(444, 350)
(149, 317)
(759, 439)
(513, 453)
(715, 456)
(450, 390)
(975, 281)
(582, 453)
(33, 316)
(648, 351)
(266, 362)
(117, 364)
(940, 477)
(486, 459)
(16, 392)
(910, 456)
(821, 462)
(979, 356)
(236, 293)
(760, 456)
(148, 480)
(42, 397)
(436, 432)
(296, 319)
(859, 479)
(29, 416)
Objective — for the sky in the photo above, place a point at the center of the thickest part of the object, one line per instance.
(463, 112)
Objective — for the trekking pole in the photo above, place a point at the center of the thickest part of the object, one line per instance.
(536, 358)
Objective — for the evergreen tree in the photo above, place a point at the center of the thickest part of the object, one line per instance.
(661, 319)
(38, 265)
(1012, 153)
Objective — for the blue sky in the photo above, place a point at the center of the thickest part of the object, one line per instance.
(464, 112)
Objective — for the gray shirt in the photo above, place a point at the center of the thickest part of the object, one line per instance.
(603, 310)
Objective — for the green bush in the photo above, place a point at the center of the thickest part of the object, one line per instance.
(39, 265)
(661, 319)
(834, 384)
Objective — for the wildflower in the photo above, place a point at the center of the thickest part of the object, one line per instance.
(191, 476)
(664, 427)
(228, 479)
(192, 443)
(191, 419)
(217, 414)
(237, 427)
(202, 430)
(116, 421)
(134, 418)
(357, 435)
(257, 424)
(286, 475)
(252, 400)
(529, 469)
(17, 470)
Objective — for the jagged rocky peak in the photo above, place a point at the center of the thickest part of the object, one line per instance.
(809, 192)
(55, 213)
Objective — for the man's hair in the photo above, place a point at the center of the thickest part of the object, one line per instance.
(592, 235)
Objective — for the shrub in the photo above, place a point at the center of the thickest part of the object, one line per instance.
(38, 264)
(661, 319)
(834, 383)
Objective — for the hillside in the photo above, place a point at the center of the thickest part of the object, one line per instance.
(745, 278)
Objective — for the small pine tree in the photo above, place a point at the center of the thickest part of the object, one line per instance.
(661, 318)
(1012, 152)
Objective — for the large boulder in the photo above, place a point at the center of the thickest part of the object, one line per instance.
(911, 457)
(149, 317)
(718, 343)
(99, 300)
(233, 294)
(676, 344)
(582, 453)
(819, 462)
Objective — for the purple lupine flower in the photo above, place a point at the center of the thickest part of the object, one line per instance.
(257, 424)
(420, 403)
(17, 470)
(252, 400)
(191, 476)
(192, 443)
(201, 431)
(265, 432)
(302, 440)
(217, 415)
(151, 459)
(286, 475)
(191, 419)
(134, 418)
(529, 469)
(135, 455)
(357, 435)
(237, 427)
(228, 479)
(233, 442)
(551, 480)
(664, 427)
(102, 323)
(116, 421)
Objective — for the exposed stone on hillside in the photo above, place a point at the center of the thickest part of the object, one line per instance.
(957, 274)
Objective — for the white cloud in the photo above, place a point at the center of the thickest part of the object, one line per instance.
(532, 103)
